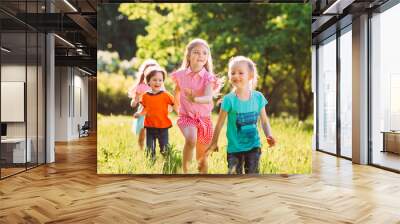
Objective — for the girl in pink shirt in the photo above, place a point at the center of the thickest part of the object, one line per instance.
(195, 83)
(135, 93)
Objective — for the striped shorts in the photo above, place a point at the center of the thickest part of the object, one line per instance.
(203, 124)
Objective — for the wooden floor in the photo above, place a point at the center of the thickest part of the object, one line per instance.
(70, 191)
(387, 159)
(10, 171)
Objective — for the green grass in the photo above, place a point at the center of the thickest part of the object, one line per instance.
(119, 153)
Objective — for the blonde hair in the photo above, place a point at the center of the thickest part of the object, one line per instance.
(147, 63)
(250, 65)
(186, 59)
(140, 77)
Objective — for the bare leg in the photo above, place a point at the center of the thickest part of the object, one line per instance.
(201, 158)
(190, 134)
(142, 135)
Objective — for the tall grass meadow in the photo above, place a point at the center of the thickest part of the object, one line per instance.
(119, 153)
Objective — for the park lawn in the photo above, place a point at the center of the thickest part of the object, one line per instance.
(118, 151)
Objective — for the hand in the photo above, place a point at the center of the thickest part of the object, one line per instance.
(219, 101)
(187, 91)
(189, 95)
(133, 103)
(213, 147)
(191, 98)
(271, 141)
(137, 115)
(170, 108)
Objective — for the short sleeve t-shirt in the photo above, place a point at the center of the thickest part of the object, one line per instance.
(156, 107)
(243, 116)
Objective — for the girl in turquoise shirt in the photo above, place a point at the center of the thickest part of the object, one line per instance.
(243, 107)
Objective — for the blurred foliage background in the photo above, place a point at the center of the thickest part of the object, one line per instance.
(276, 36)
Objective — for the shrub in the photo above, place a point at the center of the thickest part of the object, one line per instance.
(112, 95)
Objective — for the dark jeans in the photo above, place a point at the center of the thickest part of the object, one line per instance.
(249, 159)
(152, 134)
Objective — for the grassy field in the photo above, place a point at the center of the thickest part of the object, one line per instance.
(119, 153)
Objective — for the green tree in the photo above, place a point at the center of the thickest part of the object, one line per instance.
(275, 36)
(168, 30)
(116, 32)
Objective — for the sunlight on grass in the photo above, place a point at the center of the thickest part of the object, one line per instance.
(118, 151)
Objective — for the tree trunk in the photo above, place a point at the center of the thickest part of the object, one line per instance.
(309, 104)
(304, 98)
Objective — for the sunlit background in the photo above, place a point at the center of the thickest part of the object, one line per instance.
(276, 36)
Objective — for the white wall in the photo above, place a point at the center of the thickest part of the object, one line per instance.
(13, 73)
(80, 97)
(61, 103)
(71, 102)
(33, 126)
(13, 81)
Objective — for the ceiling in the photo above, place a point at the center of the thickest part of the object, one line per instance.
(329, 15)
(73, 21)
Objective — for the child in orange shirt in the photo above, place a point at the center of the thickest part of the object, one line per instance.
(135, 93)
(155, 109)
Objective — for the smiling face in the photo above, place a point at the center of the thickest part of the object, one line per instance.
(156, 81)
(240, 75)
(198, 57)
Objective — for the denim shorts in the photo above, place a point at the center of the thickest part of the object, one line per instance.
(249, 160)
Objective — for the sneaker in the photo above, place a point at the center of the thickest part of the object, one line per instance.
(164, 152)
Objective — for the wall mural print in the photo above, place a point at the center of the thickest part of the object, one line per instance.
(189, 88)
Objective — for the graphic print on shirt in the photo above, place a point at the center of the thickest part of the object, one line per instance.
(246, 124)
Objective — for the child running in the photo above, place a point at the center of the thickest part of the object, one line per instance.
(135, 93)
(243, 106)
(155, 109)
(195, 84)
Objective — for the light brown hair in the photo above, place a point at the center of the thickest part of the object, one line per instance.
(186, 59)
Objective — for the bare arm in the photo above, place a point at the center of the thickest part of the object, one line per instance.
(177, 98)
(207, 98)
(140, 113)
(135, 101)
(266, 127)
(176, 109)
(220, 122)
(174, 104)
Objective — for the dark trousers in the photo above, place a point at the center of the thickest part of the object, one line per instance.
(152, 134)
(249, 160)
